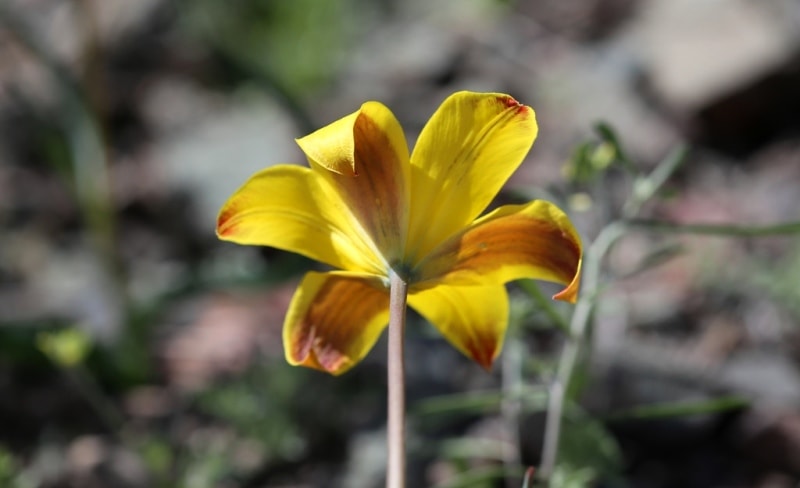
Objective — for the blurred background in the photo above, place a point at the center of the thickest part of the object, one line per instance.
(136, 350)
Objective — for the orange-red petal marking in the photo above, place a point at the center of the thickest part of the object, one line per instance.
(535, 240)
(370, 141)
(334, 320)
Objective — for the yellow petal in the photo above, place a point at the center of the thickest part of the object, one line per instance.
(334, 320)
(364, 156)
(464, 155)
(472, 318)
(292, 208)
(535, 240)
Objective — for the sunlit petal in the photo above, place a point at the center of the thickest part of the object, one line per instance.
(291, 208)
(334, 320)
(367, 155)
(535, 240)
(472, 318)
(464, 155)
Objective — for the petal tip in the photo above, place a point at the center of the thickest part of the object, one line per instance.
(225, 224)
(570, 293)
(310, 353)
(483, 353)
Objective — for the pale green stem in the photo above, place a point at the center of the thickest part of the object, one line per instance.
(552, 433)
(396, 417)
(645, 188)
(583, 310)
(569, 357)
(511, 405)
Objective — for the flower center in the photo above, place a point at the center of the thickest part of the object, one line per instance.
(404, 271)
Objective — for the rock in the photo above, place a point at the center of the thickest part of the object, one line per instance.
(764, 375)
(725, 71)
(217, 145)
(694, 51)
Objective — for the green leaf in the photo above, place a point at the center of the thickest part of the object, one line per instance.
(587, 452)
(566, 476)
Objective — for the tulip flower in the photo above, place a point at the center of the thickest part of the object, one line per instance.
(372, 211)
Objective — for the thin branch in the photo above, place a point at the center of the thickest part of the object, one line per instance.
(726, 230)
(645, 188)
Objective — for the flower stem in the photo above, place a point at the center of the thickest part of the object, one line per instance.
(396, 467)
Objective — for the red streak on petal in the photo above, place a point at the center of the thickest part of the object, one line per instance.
(225, 216)
(329, 358)
(511, 102)
(482, 350)
(480, 356)
(222, 228)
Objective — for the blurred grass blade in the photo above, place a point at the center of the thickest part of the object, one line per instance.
(474, 448)
(682, 409)
(722, 230)
(478, 402)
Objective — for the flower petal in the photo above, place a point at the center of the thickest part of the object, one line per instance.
(464, 155)
(292, 208)
(535, 240)
(472, 318)
(365, 157)
(334, 320)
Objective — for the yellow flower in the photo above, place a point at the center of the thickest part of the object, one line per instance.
(368, 209)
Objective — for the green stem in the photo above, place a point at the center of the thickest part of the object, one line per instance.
(645, 188)
(552, 432)
(511, 404)
(569, 357)
(396, 418)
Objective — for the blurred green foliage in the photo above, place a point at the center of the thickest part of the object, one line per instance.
(780, 280)
(259, 405)
(65, 347)
(300, 45)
